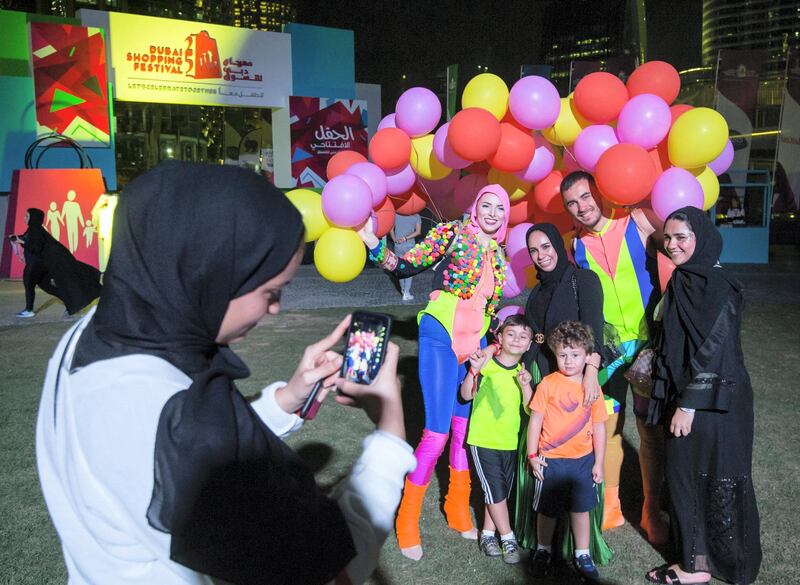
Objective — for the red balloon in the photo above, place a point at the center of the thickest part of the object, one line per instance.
(547, 193)
(515, 151)
(409, 203)
(625, 174)
(341, 161)
(474, 134)
(478, 168)
(656, 77)
(660, 156)
(522, 210)
(600, 96)
(510, 119)
(390, 149)
(563, 221)
(679, 109)
(384, 215)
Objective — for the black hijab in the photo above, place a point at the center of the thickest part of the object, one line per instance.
(239, 504)
(548, 281)
(35, 237)
(696, 294)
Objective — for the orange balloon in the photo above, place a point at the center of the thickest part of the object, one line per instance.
(384, 213)
(655, 77)
(600, 96)
(408, 203)
(510, 119)
(625, 174)
(341, 161)
(660, 156)
(474, 134)
(478, 168)
(522, 210)
(563, 221)
(515, 151)
(547, 193)
(390, 148)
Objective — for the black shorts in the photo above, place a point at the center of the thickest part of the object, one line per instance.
(496, 471)
(567, 486)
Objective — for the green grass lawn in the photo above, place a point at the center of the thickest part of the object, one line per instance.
(29, 547)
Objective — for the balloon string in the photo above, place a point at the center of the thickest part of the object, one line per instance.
(436, 211)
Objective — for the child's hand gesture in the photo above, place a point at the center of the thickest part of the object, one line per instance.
(524, 377)
(597, 472)
(478, 359)
(537, 467)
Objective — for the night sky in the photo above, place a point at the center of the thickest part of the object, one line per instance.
(420, 38)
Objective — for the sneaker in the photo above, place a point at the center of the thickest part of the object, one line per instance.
(540, 563)
(26, 314)
(510, 551)
(408, 297)
(586, 569)
(490, 546)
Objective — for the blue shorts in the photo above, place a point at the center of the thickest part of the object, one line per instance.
(567, 487)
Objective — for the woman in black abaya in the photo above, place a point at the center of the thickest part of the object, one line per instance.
(703, 395)
(51, 267)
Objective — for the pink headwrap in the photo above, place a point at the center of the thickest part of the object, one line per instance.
(500, 235)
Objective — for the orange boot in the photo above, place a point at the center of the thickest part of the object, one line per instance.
(407, 523)
(612, 509)
(456, 504)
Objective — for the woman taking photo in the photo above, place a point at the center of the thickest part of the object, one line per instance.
(563, 293)
(703, 395)
(469, 267)
(155, 469)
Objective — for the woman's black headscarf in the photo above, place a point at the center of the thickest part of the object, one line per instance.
(548, 281)
(696, 295)
(239, 504)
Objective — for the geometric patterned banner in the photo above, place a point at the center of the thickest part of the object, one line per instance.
(70, 81)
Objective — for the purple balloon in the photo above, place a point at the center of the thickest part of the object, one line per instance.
(467, 189)
(515, 242)
(373, 176)
(418, 111)
(542, 162)
(676, 188)
(515, 281)
(442, 187)
(444, 152)
(346, 200)
(387, 122)
(401, 181)
(724, 161)
(534, 102)
(592, 142)
(509, 310)
(645, 120)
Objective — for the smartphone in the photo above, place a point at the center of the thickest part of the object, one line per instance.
(365, 346)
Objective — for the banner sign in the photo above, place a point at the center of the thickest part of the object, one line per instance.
(70, 82)
(738, 74)
(321, 127)
(181, 62)
(68, 198)
(786, 194)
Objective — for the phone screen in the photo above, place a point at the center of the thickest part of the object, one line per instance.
(365, 346)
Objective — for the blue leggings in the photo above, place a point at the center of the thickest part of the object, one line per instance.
(440, 376)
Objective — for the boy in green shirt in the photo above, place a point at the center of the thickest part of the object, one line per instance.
(498, 385)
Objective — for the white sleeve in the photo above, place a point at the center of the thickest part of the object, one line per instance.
(370, 496)
(278, 420)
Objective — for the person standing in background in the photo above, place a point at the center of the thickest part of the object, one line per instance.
(406, 229)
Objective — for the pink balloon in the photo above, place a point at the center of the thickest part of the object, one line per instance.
(418, 111)
(401, 181)
(542, 163)
(515, 242)
(724, 161)
(591, 143)
(534, 102)
(645, 120)
(515, 281)
(346, 200)
(676, 188)
(467, 189)
(445, 153)
(509, 310)
(387, 122)
(569, 161)
(373, 176)
(442, 187)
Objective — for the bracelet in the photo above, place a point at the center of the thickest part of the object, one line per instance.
(378, 253)
(533, 455)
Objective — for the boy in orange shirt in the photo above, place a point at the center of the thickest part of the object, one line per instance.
(566, 447)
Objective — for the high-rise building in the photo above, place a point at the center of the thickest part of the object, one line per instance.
(214, 11)
(771, 25)
(263, 14)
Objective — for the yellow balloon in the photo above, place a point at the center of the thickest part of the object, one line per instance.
(697, 137)
(710, 184)
(309, 204)
(486, 91)
(424, 162)
(514, 186)
(339, 254)
(567, 126)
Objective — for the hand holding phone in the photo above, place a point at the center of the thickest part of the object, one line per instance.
(365, 346)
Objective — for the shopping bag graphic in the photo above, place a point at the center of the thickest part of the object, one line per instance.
(205, 64)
